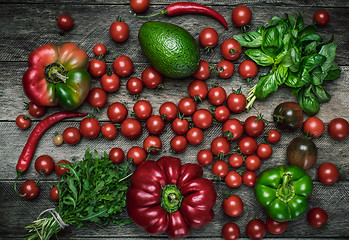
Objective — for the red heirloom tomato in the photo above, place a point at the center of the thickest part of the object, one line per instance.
(195, 136)
(65, 22)
(338, 128)
(256, 229)
(152, 144)
(198, 90)
(110, 83)
(232, 129)
(143, 109)
(236, 102)
(61, 170)
(139, 5)
(231, 49)
(317, 217)
(137, 155)
(314, 127)
(233, 206)
(23, 122)
(123, 66)
(116, 155)
(119, 31)
(328, 173)
(117, 112)
(241, 16)
(155, 125)
(230, 231)
(44, 164)
(90, 128)
(97, 97)
(71, 135)
(177, 197)
(275, 227)
(254, 126)
(97, 67)
(208, 38)
(202, 118)
(29, 189)
(168, 111)
(131, 128)
(322, 17)
(203, 71)
(109, 130)
(151, 78)
(204, 157)
(99, 49)
(225, 69)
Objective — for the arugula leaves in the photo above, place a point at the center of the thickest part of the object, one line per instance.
(298, 58)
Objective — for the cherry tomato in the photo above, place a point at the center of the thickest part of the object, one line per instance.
(233, 179)
(220, 146)
(119, 31)
(253, 162)
(137, 155)
(44, 164)
(233, 206)
(232, 129)
(155, 125)
(110, 83)
(187, 106)
(241, 16)
(301, 152)
(61, 170)
(180, 126)
(288, 115)
(322, 17)
(230, 231)
(338, 128)
(204, 157)
(217, 95)
(273, 136)
(143, 109)
(275, 227)
(197, 90)
(152, 144)
(109, 131)
(134, 85)
(249, 178)
(203, 71)
(116, 155)
(97, 97)
(23, 122)
(195, 136)
(89, 128)
(225, 69)
(168, 111)
(29, 189)
(236, 102)
(236, 160)
(36, 110)
(264, 151)
(328, 173)
(221, 113)
(151, 78)
(58, 139)
(248, 69)
(256, 229)
(254, 126)
(139, 6)
(71, 135)
(178, 143)
(117, 112)
(317, 217)
(220, 168)
(65, 22)
(97, 68)
(123, 66)
(231, 49)
(202, 118)
(314, 127)
(208, 38)
(247, 145)
(99, 49)
(54, 194)
(131, 128)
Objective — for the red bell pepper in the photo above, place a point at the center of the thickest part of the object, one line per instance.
(167, 197)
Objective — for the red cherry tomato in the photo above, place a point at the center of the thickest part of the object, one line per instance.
(198, 90)
(99, 49)
(123, 66)
(202, 118)
(241, 16)
(134, 86)
(117, 112)
(231, 49)
(187, 106)
(338, 128)
(220, 146)
(222, 113)
(236, 102)
(152, 144)
(204, 157)
(273, 136)
(275, 227)
(254, 126)
(143, 109)
(110, 83)
(139, 6)
(178, 143)
(97, 97)
(97, 68)
(217, 95)
(195, 136)
(249, 178)
(208, 38)
(220, 168)
(71, 135)
(180, 126)
(233, 179)
(317, 217)
(233, 206)
(151, 78)
(232, 129)
(54, 194)
(109, 131)
(328, 173)
(253, 162)
(23, 122)
(314, 127)
(236, 160)
(230, 231)
(119, 31)
(89, 128)
(131, 128)
(264, 151)
(116, 155)
(168, 111)
(322, 17)
(44, 164)
(155, 125)
(248, 69)
(137, 155)
(29, 189)
(65, 22)
(61, 170)
(203, 71)
(256, 229)
(36, 110)
(225, 69)
(247, 145)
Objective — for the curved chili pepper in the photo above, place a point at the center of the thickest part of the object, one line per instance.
(29, 148)
(180, 8)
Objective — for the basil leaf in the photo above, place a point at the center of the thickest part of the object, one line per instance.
(274, 21)
(308, 102)
(272, 43)
(261, 29)
(295, 91)
(281, 74)
(293, 80)
(259, 57)
(249, 39)
(310, 48)
(332, 74)
(311, 37)
(292, 59)
(321, 94)
(309, 29)
(266, 85)
(292, 20)
(329, 52)
(318, 76)
(306, 77)
(313, 61)
(299, 21)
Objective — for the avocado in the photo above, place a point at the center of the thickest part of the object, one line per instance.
(169, 48)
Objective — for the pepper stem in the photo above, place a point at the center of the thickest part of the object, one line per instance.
(171, 198)
(285, 191)
(56, 73)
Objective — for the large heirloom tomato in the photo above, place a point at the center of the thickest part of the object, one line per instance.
(167, 197)
(57, 74)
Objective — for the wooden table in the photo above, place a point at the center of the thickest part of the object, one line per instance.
(29, 24)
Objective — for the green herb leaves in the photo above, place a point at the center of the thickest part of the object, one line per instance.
(298, 58)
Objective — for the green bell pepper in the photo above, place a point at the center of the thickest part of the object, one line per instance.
(283, 191)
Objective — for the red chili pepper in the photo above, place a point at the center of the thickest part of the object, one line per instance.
(29, 148)
(180, 8)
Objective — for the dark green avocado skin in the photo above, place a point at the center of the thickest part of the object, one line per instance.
(170, 49)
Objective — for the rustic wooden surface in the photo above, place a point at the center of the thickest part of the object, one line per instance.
(29, 24)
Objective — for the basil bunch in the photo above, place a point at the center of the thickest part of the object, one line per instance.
(298, 58)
